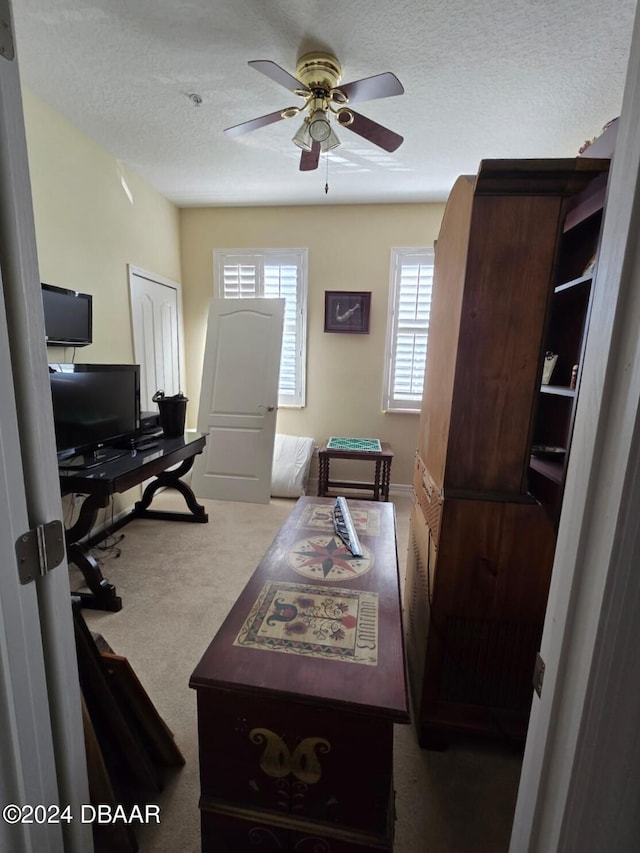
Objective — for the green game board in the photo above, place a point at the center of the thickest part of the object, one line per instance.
(364, 444)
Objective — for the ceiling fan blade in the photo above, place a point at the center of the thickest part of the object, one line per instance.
(369, 88)
(310, 159)
(253, 124)
(374, 132)
(278, 74)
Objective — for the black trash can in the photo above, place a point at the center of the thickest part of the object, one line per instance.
(173, 412)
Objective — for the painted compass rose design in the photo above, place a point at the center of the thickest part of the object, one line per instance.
(327, 558)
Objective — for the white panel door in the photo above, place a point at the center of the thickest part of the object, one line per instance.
(238, 399)
(155, 315)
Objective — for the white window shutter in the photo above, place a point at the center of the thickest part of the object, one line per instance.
(237, 276)
(282, 280)
(408, 328)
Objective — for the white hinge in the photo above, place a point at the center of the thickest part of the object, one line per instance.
(538, 674)
(39, 550)
(6, 31)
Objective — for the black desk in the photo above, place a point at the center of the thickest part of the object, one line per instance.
(100, 483)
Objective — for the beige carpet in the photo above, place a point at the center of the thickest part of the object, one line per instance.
(178, 582)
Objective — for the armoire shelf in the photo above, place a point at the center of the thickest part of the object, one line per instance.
(576, 282)
(558, 390)
(548, 468)
(565, 336)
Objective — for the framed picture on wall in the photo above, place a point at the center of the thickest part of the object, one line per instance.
(347, 311)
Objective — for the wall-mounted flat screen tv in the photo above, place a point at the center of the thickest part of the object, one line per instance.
(68, 319)
(94, 405)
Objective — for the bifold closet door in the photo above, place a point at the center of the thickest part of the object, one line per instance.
(157, 336)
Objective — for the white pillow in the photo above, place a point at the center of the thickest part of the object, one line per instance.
(291, 461)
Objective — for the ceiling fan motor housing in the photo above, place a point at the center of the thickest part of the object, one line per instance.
(319, 71)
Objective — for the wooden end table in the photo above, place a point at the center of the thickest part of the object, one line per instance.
(382, 474)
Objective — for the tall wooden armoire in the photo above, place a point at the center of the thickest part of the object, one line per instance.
(481, 546)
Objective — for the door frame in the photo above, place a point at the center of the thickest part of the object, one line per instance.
(27, 770)
(579, 783)
(45, 743)
(155, 278)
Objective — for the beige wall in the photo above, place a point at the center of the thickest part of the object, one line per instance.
(349, 249)
(88, 230)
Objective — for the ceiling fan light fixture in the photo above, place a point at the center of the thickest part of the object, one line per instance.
(319, 127)
(302, 137)
(330, 142)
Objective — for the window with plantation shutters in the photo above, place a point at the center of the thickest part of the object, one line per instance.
(269, 273)
(407, 328)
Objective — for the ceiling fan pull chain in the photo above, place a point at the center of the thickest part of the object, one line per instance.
(326, 185)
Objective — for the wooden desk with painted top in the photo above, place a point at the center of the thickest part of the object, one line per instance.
(299, 690)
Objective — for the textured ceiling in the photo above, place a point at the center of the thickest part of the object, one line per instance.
(502, 78)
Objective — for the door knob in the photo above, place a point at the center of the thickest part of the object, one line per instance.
(267, 408)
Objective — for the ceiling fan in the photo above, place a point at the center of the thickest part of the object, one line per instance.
(317, 80)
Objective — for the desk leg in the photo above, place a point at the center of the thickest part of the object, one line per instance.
(103, 593)
(171, 480)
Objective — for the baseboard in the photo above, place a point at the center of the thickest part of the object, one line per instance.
(401, 489)
(398, 489)
(108, 522)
